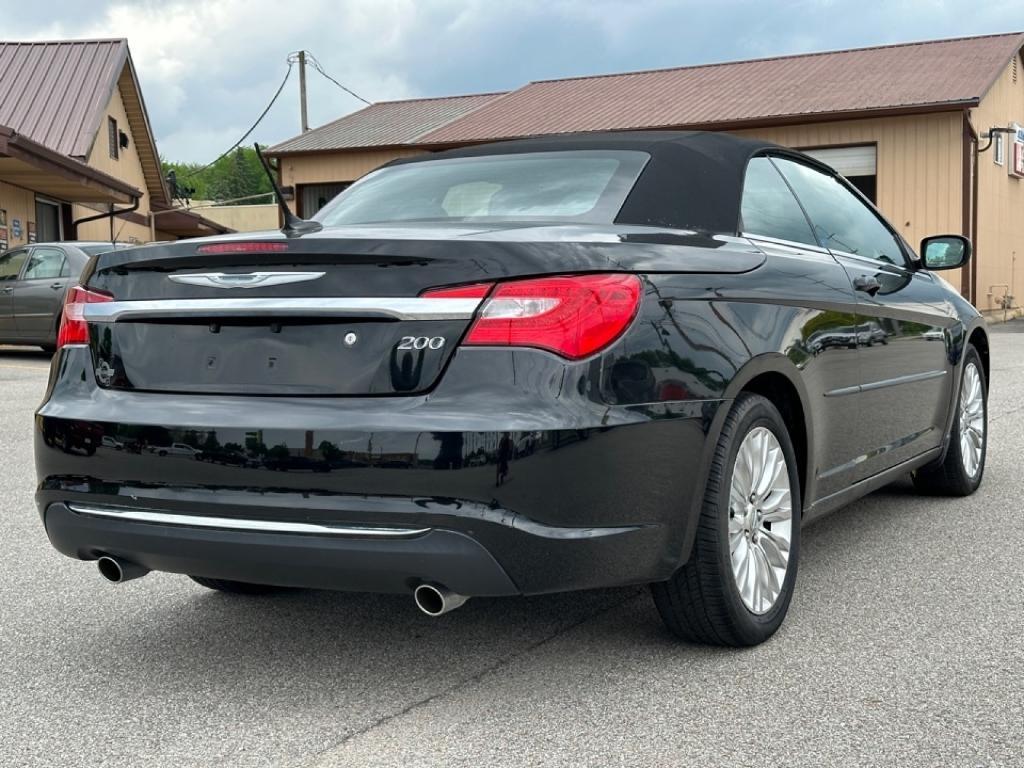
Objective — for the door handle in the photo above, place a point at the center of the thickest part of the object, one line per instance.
(8, 289)
(56, 286)
(867, 283)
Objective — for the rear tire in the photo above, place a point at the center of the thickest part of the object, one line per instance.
(702, 602)
(962, 468)
(233, 587)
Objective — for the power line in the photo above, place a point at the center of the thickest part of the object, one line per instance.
(259, 119)
(319, 68)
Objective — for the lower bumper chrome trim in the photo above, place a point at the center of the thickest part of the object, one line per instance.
(242, 524)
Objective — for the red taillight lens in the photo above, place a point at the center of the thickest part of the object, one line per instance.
(573, 316)
(257, 247)
(73, 328)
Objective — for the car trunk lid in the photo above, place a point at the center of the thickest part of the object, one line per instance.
(338, 313)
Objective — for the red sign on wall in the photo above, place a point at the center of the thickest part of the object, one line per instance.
(1017, 166)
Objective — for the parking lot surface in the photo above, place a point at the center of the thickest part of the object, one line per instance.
(904, 646)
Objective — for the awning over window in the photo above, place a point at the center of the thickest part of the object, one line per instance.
(30, 165)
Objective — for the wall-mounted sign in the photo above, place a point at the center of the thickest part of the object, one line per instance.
(31, 231)
(16, 228)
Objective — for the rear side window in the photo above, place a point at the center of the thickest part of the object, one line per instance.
(842, 222)
(10, 264)
(45, 263)
(769, 208)
(572, 186)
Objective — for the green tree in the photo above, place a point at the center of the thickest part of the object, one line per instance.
(237, 174)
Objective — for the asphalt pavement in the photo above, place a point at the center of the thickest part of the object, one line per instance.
(904, 646)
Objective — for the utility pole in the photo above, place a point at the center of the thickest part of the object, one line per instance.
(302, 90)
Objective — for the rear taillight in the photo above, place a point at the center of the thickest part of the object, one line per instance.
(573, 315)
(73, 328)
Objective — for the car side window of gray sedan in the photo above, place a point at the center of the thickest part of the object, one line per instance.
(10, 264)
(45, 264)
(768, 207)
(842, 222)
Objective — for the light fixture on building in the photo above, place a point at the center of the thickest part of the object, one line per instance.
(991, 136)
(122, 139)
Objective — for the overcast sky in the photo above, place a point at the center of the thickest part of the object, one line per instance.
(208, 68)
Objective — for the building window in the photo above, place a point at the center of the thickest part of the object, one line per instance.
(999, 155)
(112, 136)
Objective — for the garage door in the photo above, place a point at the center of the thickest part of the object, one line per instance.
(849, 161)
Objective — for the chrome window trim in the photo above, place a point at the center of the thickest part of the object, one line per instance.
(787, 243)
(243, 524)
(391, 308)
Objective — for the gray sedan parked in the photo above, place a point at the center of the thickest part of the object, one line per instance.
(33, 281)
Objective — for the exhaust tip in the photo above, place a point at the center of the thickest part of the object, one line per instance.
(435, 601)
(110, 569)
(429, 599)
(116, 570)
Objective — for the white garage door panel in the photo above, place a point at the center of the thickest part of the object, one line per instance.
(849, 161)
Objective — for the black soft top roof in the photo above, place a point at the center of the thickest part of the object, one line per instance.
(694, 179)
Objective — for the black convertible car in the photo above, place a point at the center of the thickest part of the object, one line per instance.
(527, 367)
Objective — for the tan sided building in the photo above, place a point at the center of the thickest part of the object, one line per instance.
(908, 124)
(76, 144)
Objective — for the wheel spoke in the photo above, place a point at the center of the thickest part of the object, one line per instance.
(776, 549)
(769, 581)
(778, 506)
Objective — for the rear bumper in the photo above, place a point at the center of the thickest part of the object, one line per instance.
(362, 564)
(517, 486)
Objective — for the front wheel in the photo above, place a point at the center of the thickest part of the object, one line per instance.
(961, 470)
(736, 586)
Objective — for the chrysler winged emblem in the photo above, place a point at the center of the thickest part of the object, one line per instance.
(244, 279)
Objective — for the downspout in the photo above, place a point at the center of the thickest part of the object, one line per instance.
(969, 195)
(974, 221)
(111, 214)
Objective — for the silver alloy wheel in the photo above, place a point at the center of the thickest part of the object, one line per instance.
(972, 420)
(760, 520)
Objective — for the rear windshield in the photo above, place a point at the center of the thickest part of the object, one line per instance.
(586, 186)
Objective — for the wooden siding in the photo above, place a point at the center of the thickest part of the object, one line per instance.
(20, 204)
(1000, 249)
(127, 167)
(327, 168)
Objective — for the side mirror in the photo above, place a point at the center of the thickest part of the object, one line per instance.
(945, 251)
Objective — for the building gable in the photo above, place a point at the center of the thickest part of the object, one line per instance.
(57, 94)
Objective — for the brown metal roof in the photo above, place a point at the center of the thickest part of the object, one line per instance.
(386, 123)
(54, 92)
(913, 76)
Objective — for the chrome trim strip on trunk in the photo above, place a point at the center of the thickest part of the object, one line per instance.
(390, 308)
(242, 524)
